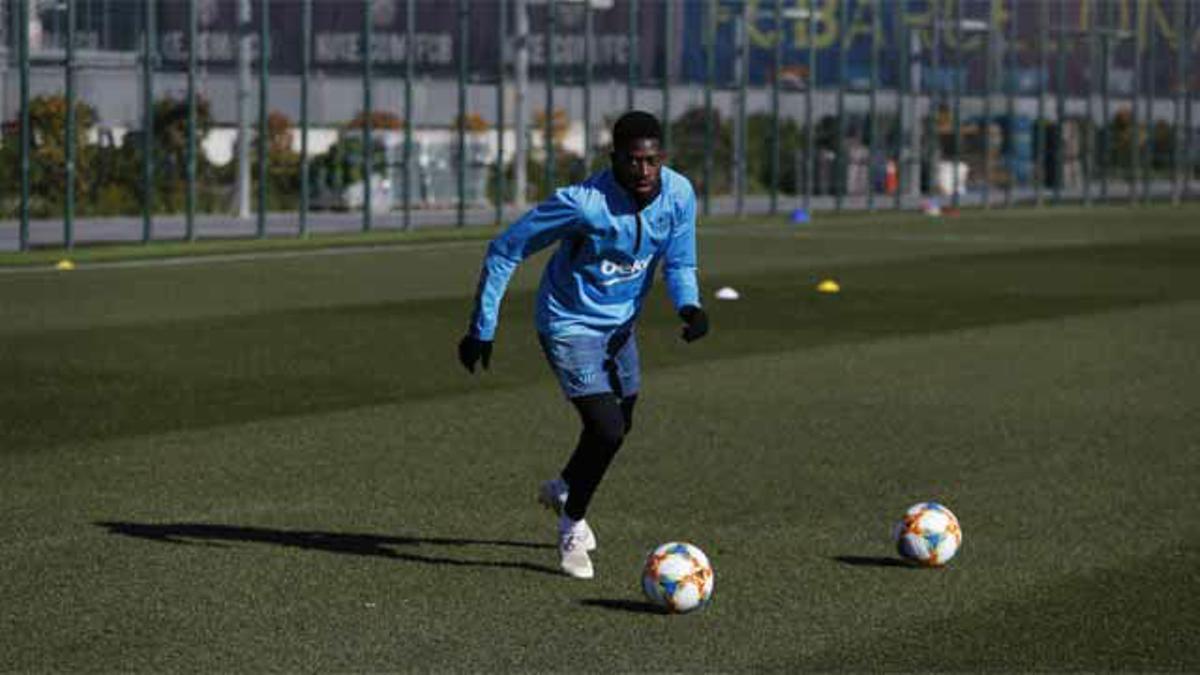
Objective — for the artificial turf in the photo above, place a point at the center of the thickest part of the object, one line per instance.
(277, 464)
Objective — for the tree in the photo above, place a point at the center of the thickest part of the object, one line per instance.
(559, 125)
(380, 119)
(341, 165)
(283, 163)
(171, 135)
(1121, 137)
(687, 153)
(475, 124)
(48, 152)
(760, 147)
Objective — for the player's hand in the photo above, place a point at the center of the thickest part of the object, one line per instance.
(695, 323)
(472, 350)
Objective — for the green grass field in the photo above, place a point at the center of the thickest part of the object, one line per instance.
(276, 464)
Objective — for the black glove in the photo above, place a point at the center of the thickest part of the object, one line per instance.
(697, 323)
(471, 350)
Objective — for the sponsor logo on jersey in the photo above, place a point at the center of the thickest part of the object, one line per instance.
(622, 272)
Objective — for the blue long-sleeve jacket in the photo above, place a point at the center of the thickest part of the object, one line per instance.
(607, 255)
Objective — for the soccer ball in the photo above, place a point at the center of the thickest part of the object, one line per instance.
(928, 535)
(678, 577)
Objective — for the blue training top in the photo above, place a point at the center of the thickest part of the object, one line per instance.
(604, 266)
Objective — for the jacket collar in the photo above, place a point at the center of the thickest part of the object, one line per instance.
(627, 198)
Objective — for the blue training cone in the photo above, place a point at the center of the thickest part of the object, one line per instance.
(800, 216)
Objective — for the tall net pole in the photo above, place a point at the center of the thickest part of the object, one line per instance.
(69, 74)
(305, 65)
(149, 29)
(810, 154)
(368, 133)
(264, 107)
(190, 159)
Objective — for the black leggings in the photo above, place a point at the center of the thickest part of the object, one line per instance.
(606, 420)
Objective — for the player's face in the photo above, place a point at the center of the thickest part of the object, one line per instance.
(638, 167)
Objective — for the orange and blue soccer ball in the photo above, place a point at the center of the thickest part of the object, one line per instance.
(929, 534)
(678, 577)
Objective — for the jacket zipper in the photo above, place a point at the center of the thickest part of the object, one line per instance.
(637, 245)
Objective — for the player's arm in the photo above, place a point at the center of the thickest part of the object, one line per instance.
(553, 219)
(679, 270)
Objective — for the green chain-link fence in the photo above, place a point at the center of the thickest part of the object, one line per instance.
(282, 114)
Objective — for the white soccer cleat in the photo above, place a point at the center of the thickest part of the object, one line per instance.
(573, 555)
(553, 495)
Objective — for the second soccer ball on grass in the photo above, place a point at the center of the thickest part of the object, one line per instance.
(678, 577)
(928, 534)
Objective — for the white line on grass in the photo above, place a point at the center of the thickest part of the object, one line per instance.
(951, 238)
(718, 230)
(204, 259)
(942, 238)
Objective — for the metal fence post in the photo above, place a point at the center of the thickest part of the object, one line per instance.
(551, 16)
(811, 132)
(668, 37)
(1183, 132)
(245, 57)
(711, 75)
(873, 105)
(956, 101)
(741, 137)
(368, 127)
(777, 55)
(634, 49)
(933, 149)
(462, 113)
(588, 29)
(23, 56)
(1151, 97)
(1104, 150)
(989, 54)
(410, 53)
(190, 159)
(1187, 109)
(523, 134)
(843, 45)
(1060, 103)
(69, 74)
(501, 62)
(1135, 145)
(1010, 89)
(305, 67)
(1040, 128)
(264, 74)
(148, 48)
(1089, 157)
(904, 142)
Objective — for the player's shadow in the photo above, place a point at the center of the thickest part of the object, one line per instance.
(634, 606)
(872, 561)
(391, 547)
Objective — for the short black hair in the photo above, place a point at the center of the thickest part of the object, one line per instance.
(635, 125)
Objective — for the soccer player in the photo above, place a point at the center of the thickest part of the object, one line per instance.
(614, 229)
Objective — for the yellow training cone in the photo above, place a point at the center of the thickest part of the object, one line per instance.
(64, 264)
(828, 286)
